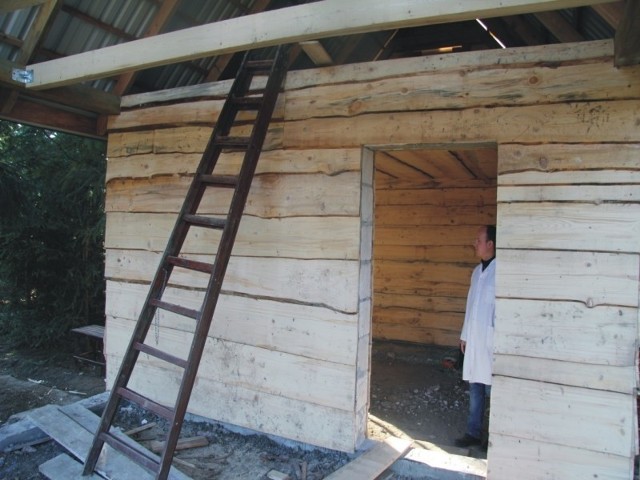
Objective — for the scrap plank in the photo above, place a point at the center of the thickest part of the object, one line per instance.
(77, 440)
(90, 421)
(374, 461)
(63, 467)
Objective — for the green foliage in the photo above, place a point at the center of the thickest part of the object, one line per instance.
(51, 234)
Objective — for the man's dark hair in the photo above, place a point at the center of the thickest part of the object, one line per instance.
(491, 234)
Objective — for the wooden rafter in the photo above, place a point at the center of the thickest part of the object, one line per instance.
(559, 27)
(33, 38)
(627, 41)
(45, 116)
(315, 20)
(611, 12)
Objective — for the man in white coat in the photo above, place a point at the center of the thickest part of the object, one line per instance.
(476, 339)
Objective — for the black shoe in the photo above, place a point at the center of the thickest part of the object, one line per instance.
(466, 441)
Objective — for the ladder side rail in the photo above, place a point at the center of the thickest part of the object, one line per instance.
(238, 201)
(176, 240)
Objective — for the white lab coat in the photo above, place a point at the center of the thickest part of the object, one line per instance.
(479, 323)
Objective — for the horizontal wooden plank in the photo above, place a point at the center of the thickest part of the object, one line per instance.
(431, 336)
(567, 331)
(566, 226)
(588, 277)
(329, 162)
(309, 331)
(594, 194)
(410, 318)
(236, 365)
(576, 417)
(293, 237)
(190, 139)
(599, 377)
(449, 89)
(329, 283)
(406, 275)
(566, 122)
(202, 112)
(442, 197)
(430, 235)
(411, 215)
(400, 67)
(271, 195)
(510, 456)
(579, 159)
(420, 302)
(447, 254)
(246, 407)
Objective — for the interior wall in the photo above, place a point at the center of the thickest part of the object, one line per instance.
(567, 258)
(429, 204)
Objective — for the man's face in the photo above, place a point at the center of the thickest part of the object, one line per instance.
(484, 248)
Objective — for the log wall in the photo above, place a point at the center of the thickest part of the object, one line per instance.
(289, 353)
(428, 206)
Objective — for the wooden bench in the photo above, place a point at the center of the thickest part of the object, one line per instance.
(94, 355)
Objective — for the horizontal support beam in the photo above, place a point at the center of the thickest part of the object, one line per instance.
(80, 97)
(39, 115)
(326, 18)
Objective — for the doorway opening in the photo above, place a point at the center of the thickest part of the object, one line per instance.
(428, 203)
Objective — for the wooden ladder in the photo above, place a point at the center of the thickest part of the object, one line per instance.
(240, 98)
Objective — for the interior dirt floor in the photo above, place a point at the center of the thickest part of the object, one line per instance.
(415, 393)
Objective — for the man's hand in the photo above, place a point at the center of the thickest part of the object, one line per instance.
(463, 345)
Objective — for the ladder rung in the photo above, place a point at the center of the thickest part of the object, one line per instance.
(136, 455)
(233, 141)
(146, 403)
(259, 65)
(167, 357)
(205, 221)
(191, 264)
(227, 181)
(248, 103)
(170, 307)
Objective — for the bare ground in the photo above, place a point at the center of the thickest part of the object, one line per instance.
(414, 394)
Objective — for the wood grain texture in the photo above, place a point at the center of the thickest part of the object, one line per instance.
(550, 461)
(566, 331)
(329, 283)
(564, 122)
(592, 278)
(609, 227)
(564, 415)
(304, 330)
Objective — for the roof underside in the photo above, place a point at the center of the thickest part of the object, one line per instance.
(34, 31)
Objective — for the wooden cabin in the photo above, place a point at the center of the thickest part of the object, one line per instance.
(360, 224)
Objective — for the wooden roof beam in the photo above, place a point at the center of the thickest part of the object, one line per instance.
(322, 19)
(29, 44)
(221, 62)
(559, 27)
(80, 97)
(40, 115)
(627, 41)
(611, 12)
(157, 24)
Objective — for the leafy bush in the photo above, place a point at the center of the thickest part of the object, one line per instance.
(51, 234)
